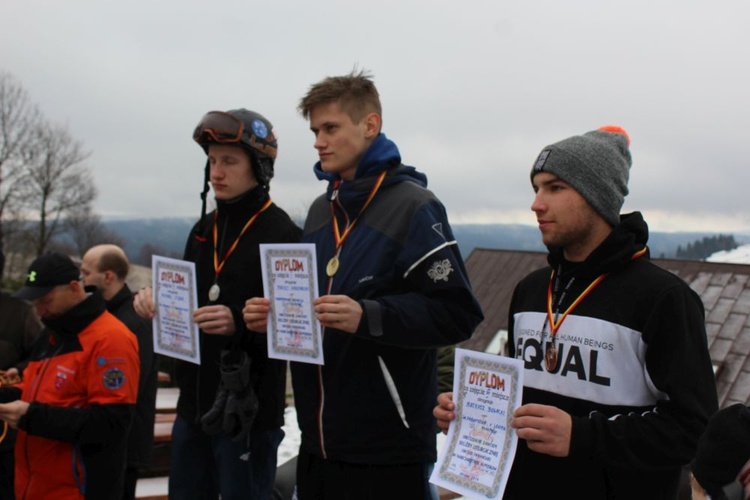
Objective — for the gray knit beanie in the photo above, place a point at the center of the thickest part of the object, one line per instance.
(595, 164)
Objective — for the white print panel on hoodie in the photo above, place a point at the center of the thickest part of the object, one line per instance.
(599, 361)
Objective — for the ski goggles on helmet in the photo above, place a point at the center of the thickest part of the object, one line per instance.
(220, 127)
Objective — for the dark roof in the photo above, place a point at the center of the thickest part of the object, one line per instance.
(724, 289)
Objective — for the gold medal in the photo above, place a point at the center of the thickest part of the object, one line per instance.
(333, 266)
(213, 292)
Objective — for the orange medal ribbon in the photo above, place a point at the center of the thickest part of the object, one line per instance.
(213, 292)
(333, 264)
(550, 356)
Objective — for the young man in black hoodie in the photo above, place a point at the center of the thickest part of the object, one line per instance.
(618, 384)
(227, 432)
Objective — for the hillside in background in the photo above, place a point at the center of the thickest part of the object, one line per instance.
(168, 236)
(523, 237)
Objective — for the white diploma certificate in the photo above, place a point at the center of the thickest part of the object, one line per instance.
(478, 452)
(175, 298)
(290, 282)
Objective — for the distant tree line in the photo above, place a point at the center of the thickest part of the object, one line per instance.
(706, 247)
(148, 250)
(47, 193)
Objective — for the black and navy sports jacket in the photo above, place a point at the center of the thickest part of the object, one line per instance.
(372, 400)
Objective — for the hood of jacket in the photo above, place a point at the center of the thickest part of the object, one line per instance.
(383, 154)
(626, 239)
(79, 316)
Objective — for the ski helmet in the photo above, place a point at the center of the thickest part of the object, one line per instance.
(249, 130)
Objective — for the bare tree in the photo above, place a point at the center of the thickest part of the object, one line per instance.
(17, 249)
(19, 120)
(54, 183)
(86, 230)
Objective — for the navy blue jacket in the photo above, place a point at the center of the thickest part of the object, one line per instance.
(371, 402)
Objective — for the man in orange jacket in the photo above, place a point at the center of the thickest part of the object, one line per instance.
(77, 398)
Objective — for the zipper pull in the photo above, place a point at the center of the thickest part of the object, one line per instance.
(335, 193)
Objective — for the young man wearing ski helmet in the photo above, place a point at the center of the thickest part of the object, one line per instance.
(226, 436)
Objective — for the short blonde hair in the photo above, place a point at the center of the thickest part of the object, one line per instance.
(355, 93)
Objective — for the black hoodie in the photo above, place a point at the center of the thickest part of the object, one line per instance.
(634, 373)
(239, 280)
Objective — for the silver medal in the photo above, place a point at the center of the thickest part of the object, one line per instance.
(213, 292)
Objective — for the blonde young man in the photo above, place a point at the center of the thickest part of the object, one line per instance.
(393, 289)
(618, 384)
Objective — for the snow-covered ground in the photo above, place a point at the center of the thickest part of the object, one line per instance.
(739, 255)
(290, 445)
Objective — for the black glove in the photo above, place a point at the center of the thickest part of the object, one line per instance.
(239, 413)
(235, 370)
(241, 403)
(212, 420)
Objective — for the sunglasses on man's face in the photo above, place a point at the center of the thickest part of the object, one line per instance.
(218, 126)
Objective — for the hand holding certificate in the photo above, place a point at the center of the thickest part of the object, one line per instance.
(290, 282)
(479, 449)
(175, 298)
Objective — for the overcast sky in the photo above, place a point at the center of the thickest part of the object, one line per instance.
(471, 92)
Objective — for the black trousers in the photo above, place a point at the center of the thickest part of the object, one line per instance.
(319, 479)
(6, 474)
(131, 479)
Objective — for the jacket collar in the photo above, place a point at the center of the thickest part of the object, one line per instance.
(614, 253)
(79, 316)
(383, 154)
(245, 204)
(119, 298)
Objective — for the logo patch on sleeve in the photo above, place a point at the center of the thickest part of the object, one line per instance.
(440, 270)
(101, 361)
(113, 379)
